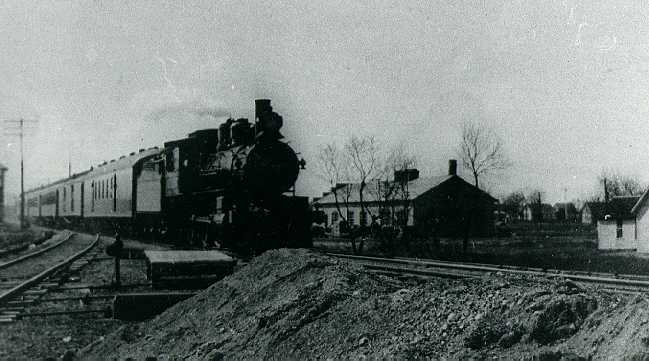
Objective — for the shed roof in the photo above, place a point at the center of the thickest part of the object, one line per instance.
(640, 202)
(621, 207)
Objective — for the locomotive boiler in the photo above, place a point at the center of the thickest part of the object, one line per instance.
(232, 186)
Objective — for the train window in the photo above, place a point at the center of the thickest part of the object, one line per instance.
(72, 198)
(114, 192)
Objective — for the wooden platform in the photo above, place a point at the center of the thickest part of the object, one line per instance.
(170, 267)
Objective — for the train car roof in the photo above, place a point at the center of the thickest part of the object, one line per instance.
(106, 167)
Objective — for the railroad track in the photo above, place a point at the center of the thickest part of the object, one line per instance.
(25, 290)
(445, 269)
(35, 253)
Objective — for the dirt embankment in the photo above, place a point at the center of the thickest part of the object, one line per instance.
(294, 304)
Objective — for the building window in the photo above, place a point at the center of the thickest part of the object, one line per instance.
(402, 216)
(334, 217)
(385, 216)
(72, 198)
(619, 228)
(350, 217)
(363, 218)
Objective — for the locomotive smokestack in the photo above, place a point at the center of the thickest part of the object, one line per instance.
(267, 122)
(262, 106)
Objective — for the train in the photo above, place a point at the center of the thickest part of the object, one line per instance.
(232, 186)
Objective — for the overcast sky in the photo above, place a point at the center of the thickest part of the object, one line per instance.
(565, 83)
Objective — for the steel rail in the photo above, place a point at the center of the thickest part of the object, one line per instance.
(37, 253)
(39, 277)
(481, 268)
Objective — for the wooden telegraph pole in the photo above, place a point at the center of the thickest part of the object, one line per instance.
(20, 132)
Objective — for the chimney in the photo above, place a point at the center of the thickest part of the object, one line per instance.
(406, 175)
(262, 106)
(452, 167)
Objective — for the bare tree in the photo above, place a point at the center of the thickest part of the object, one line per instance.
(348, 171)
(481, 151)
(391, 192)
(535, 202)
(333, 168)
(363, 154)
(514, 204)
(615, 184)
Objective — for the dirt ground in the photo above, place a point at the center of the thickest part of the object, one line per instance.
(298, 305)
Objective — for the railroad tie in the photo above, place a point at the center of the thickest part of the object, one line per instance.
(18, 303)
(35, 292)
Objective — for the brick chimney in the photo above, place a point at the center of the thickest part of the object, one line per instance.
(405, 175)
(452, 167)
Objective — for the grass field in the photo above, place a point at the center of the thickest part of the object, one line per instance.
(560, 246)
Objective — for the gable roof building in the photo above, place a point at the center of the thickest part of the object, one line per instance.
(591, 212)
(445, 204)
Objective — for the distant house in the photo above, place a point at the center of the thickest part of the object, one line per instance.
(591, 212)
(616, 229)
(447, 203)
(565, 212)
(538, 212)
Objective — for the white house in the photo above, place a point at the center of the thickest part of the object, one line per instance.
(617, 229)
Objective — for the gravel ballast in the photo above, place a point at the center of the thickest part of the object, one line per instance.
(295, 304)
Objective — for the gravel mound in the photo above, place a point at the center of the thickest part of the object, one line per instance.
(298, 305)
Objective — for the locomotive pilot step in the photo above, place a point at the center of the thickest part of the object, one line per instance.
(186, 269)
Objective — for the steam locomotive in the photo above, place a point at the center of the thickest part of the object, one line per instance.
(232, 186)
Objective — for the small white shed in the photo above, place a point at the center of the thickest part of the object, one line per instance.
(617, 229)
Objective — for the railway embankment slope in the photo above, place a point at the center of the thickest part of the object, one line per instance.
(298, 305)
